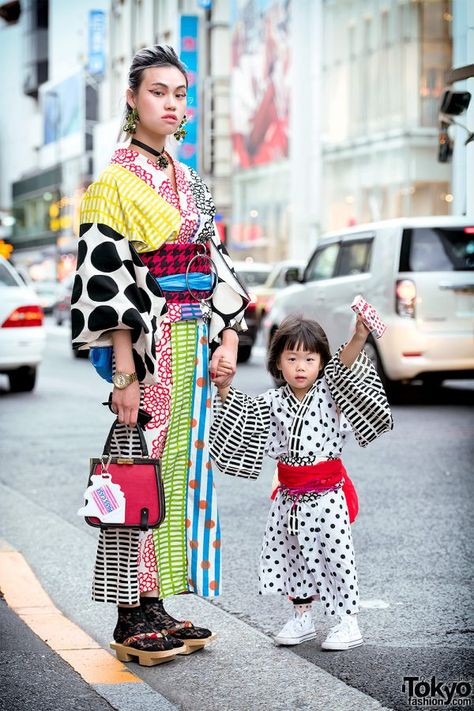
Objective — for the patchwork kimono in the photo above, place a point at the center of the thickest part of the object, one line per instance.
(150, 261)
(315, 558)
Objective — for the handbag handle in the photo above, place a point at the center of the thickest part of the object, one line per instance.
(141, 437)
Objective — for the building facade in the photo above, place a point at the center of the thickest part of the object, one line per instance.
(47, 48)
(384, 71)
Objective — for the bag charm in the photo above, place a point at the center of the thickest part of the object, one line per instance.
(369, 315)
(104, 499)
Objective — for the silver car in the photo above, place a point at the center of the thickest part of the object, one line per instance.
(417, 272)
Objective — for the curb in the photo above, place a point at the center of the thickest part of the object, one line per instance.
(104, 673)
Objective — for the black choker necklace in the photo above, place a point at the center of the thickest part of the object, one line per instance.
(162, 161)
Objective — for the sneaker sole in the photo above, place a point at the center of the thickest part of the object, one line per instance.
(291, 641)
(340, 646)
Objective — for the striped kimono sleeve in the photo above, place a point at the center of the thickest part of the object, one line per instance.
(359, 393)
(239, 433)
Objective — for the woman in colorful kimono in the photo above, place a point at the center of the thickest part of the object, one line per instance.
(307, 551)
(155, 284)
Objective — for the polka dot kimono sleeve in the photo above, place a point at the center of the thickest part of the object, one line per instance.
(112, 287)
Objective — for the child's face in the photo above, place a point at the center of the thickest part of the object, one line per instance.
(300, 369)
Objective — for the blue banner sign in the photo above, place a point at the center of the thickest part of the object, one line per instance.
(96, 61)
(188, 43)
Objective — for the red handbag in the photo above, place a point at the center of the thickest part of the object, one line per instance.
(124, 491)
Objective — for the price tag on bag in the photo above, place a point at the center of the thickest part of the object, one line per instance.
(104, 500)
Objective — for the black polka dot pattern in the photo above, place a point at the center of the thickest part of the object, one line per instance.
(105, 258)
(315, 560)
(102, 318)
(102, 288)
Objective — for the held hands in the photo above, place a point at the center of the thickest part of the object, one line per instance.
(125, 404)
(224, 374)
(221, 375)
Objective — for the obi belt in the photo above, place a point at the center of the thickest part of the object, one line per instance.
(319, 478)
(184, 274)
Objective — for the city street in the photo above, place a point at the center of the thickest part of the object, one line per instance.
(413, 541)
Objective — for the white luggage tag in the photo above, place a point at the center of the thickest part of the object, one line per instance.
(104, 499)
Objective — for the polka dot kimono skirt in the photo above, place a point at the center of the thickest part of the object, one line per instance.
(318, 560)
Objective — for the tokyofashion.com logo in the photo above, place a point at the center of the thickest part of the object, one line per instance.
(431, 692)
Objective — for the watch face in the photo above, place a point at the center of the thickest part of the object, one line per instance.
(120, 380)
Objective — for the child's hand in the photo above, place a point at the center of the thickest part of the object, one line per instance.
(224, 373)
(361, 330)
(352, 349)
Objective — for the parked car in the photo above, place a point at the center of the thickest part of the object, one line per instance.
(62, 307)
(48, 294)
(417, 272)
(280, 276)
(22, 333)
(253, 275)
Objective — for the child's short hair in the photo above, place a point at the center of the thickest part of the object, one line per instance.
(297, 332)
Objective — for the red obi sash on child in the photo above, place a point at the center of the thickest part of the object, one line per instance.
(323, 476)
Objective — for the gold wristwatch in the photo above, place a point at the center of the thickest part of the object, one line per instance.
(122, 380)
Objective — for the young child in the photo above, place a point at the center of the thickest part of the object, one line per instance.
(307, 550)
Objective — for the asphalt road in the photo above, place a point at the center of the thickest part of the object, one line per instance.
(412, 537)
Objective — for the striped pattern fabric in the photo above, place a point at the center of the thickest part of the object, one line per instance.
(170, 538)
(238, 434)
(116, 567)
(123, 201)
(359, 393)
(202, 521)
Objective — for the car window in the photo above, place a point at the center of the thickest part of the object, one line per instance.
(6, 277)
(354, 258)
(251, 278)
(322, 263)
(437, 249)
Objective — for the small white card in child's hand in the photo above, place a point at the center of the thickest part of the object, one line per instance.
(369, 315)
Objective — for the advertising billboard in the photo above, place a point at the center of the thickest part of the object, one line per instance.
(260, 81)
(63, 108)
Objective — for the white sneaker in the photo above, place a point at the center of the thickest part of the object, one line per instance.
(298, 629)
(344, 635)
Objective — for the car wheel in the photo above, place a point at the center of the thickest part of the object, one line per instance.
(244, 354)
(394, 388)
(22, 380)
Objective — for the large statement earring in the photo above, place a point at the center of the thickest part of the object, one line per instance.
(180, 133)
(130, 125)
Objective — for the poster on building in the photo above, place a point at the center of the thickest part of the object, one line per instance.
(260, 81)
(188, 32)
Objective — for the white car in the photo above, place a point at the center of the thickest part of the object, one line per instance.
(417, 272)
(22, 333)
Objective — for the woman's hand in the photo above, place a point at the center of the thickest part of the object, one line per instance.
(125, 404)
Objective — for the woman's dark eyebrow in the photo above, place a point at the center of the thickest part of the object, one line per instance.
(160, 83)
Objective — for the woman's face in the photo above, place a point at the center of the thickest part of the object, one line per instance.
(160, 100)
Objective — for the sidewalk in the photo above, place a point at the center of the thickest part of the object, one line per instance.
(47, 662)
(241, 671)
(33, 677)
